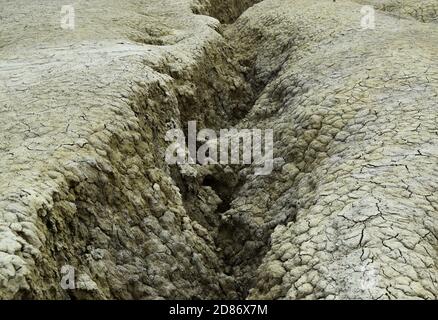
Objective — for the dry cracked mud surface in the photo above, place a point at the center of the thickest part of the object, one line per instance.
(349, 211)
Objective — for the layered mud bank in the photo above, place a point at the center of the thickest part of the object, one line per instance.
(90, 209)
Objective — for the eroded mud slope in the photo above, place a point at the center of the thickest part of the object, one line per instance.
(349, 211)
(355, 119)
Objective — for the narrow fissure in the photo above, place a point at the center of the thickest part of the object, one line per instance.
(230, 236)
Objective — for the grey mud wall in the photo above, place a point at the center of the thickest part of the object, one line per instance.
(350, 210)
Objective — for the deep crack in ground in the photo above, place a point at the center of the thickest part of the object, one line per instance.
(349, 210)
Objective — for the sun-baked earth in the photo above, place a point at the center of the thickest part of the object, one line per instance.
(350, 210)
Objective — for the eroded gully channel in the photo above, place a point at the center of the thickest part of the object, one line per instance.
(216, 107)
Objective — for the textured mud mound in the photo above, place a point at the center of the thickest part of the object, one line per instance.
(422, 10)
(355, 118)
(350, 210)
